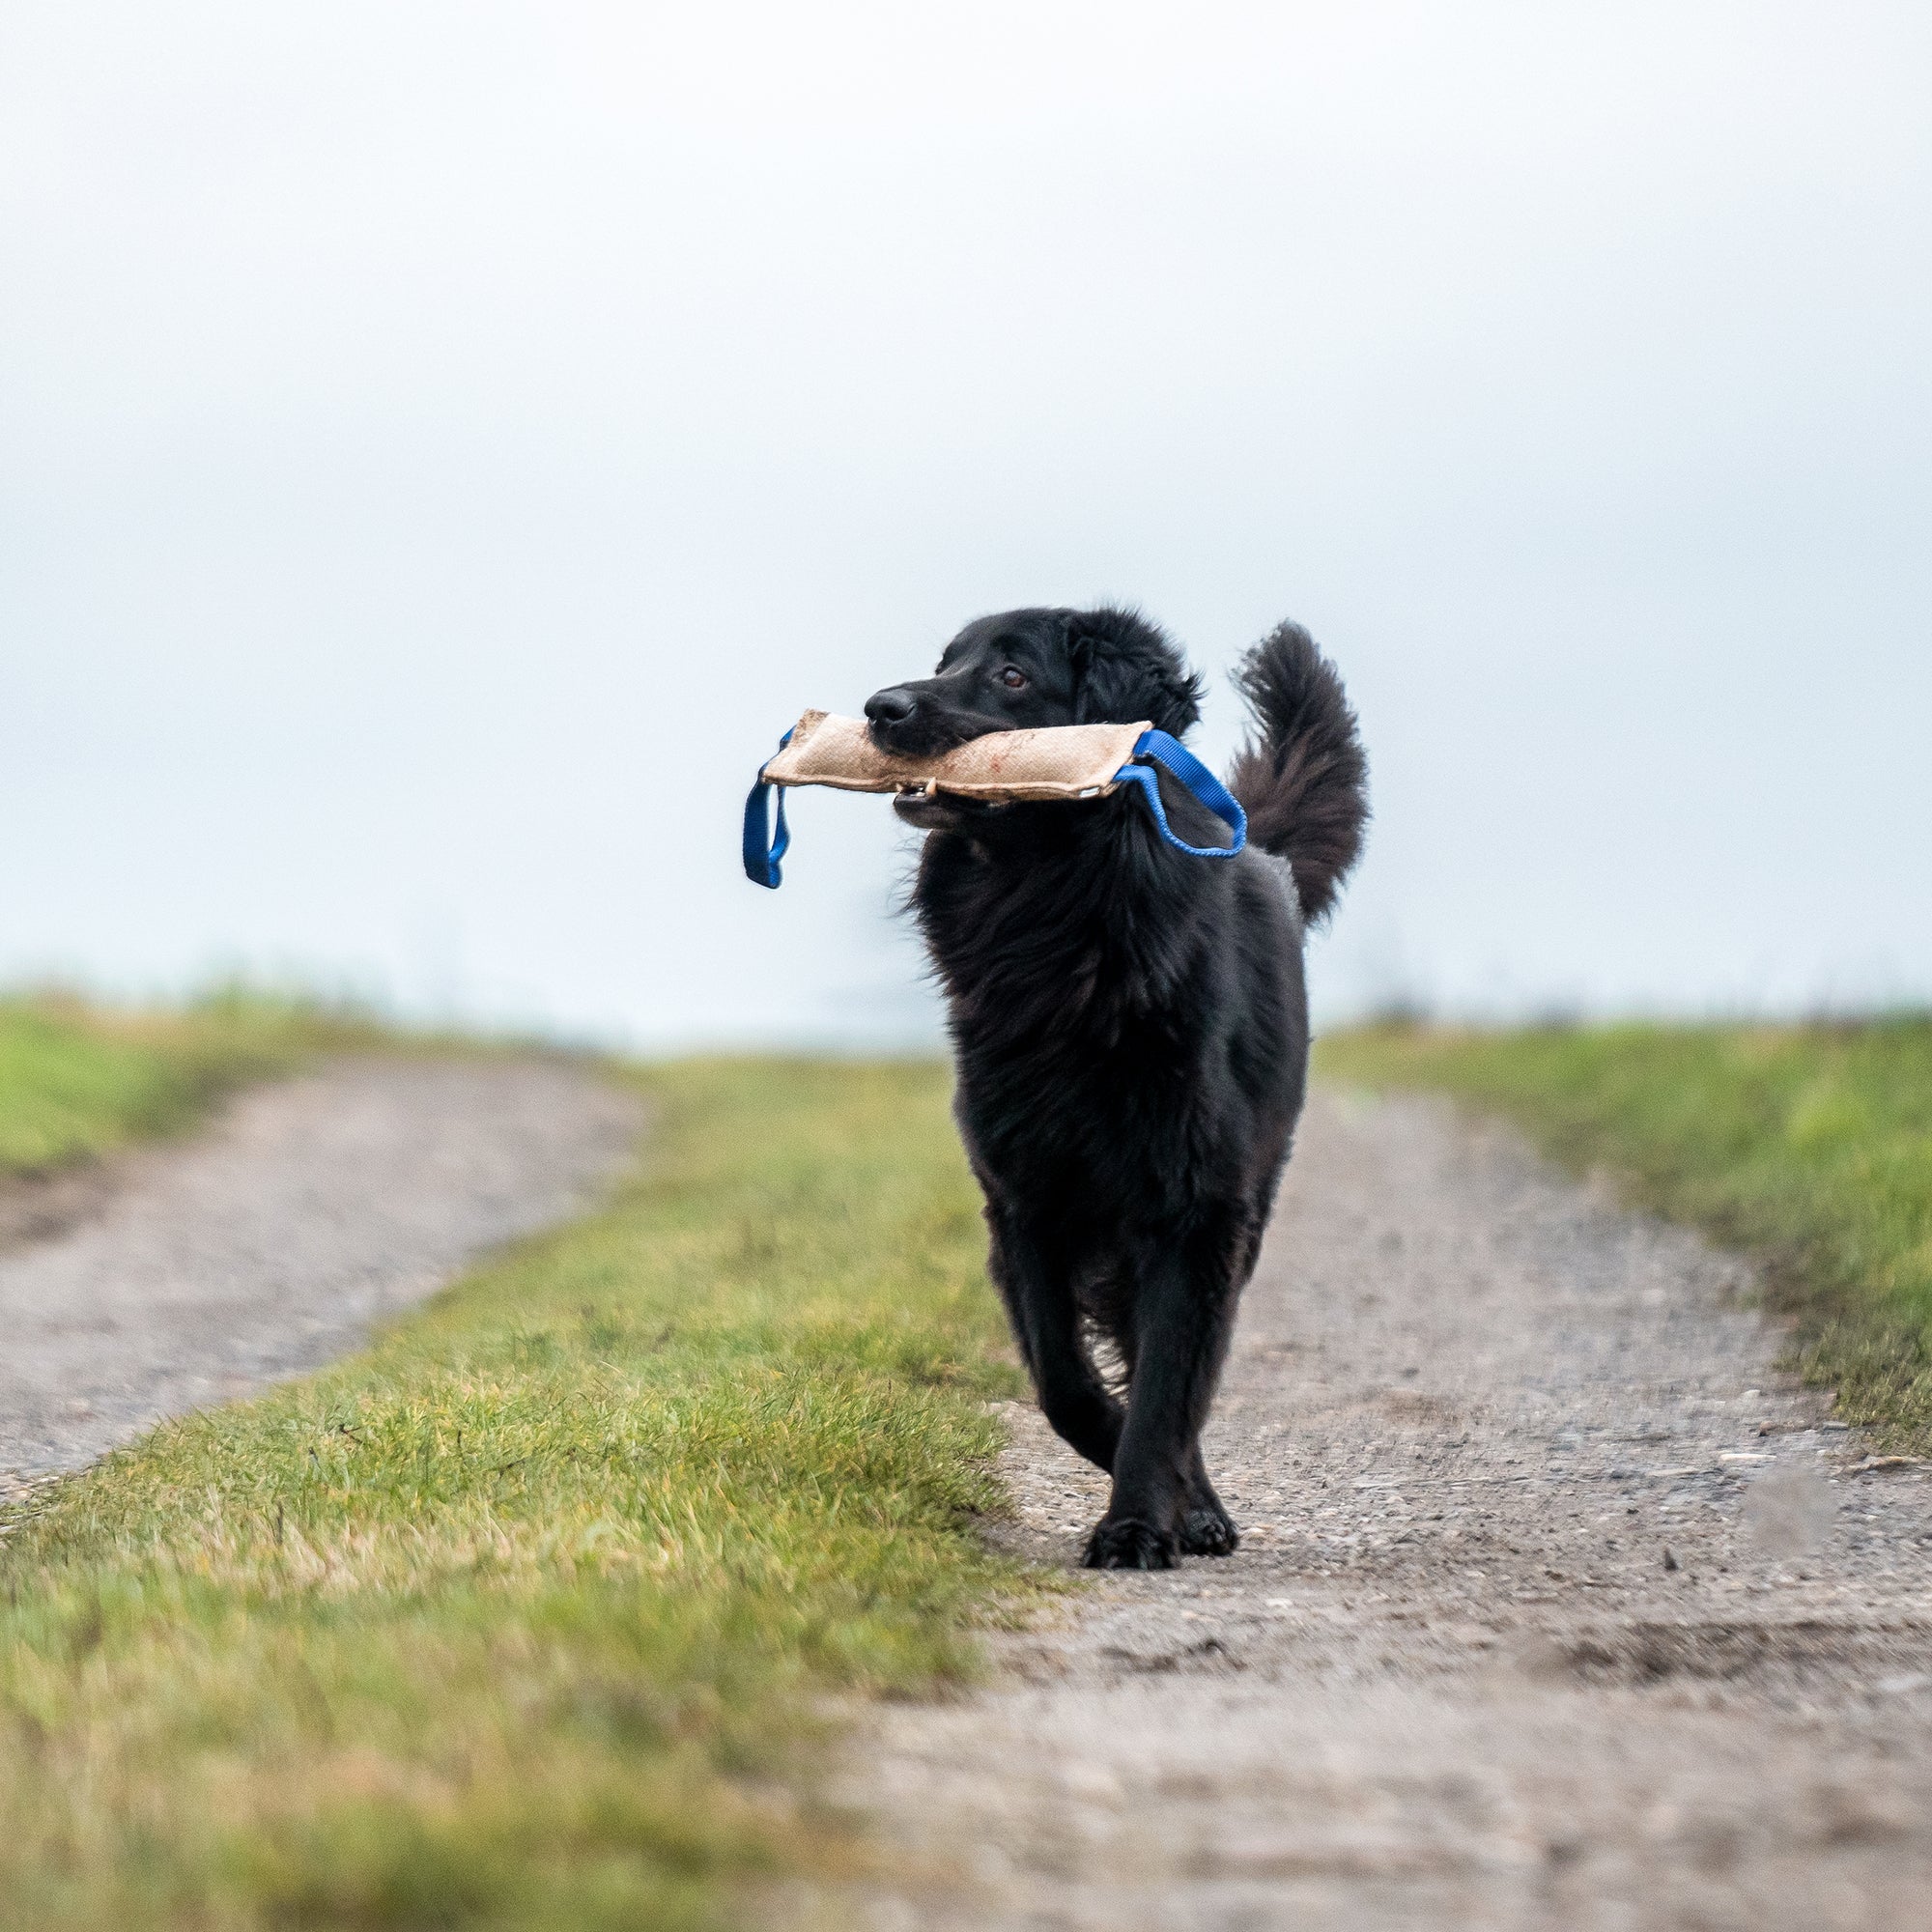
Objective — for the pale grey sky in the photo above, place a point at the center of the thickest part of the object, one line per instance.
(441, 446)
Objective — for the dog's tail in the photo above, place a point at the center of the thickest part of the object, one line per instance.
(1303, 779)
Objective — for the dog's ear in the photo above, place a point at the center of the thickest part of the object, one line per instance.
(1124, 669)
(1079, 648)
(1084, 647)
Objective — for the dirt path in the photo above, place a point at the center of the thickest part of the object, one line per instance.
(199, 1271)
(1558, 1608)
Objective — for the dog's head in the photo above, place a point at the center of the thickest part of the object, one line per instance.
(1026, 669)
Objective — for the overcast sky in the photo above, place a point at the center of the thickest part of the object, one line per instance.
(441, 446)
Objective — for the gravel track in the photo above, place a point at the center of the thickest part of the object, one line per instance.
(192, 1273)
(1558, 1607)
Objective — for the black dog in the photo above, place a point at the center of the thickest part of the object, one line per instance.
(1131, 1026)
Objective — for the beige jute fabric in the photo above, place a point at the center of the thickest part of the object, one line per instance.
(1059, 761)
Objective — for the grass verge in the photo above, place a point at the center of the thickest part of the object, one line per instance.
(78, 1081)
(511, 1621)
(1808, 1146)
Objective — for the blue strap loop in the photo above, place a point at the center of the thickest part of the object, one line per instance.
(763, 852)
(1176, 758)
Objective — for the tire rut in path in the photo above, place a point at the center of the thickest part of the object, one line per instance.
(1558, 1606)
(269, 1244)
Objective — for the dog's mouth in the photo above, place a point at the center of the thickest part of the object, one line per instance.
(929, 733)
(934, 810)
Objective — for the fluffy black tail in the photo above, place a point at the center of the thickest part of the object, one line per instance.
(1303, 780)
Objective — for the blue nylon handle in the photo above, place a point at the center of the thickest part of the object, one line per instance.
(762, 852)
(1177, 758)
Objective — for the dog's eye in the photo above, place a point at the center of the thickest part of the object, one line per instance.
(1013, 678)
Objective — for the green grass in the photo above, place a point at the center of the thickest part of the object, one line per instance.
(1807, 1147)
(78, 1081)
(518, 1620)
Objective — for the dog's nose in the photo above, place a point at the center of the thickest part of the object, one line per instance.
(891, 706)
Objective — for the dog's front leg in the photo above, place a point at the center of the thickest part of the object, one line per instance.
(1206, 1530)
(1182, 1308)
(1047, 1324)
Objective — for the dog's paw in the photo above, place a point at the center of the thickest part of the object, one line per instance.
(1208, 1531)
(1129, 1543)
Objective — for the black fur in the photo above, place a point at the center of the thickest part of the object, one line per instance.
(1303, 779)
(1131, 1028)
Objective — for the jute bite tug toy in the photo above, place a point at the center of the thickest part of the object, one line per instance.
(1060, 761)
